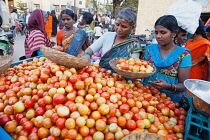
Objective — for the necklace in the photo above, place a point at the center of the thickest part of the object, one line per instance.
(67, 32)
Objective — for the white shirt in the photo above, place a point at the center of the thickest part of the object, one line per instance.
(106, 42)
(97, 31)
(14, 18)
(113, 21)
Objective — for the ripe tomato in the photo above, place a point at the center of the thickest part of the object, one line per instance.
(112, 120)
(60, 123)
(40, 111)
(124, 108)
(28, 125)
(131, 124)
(29, 103)
(73, 79)
(4, 119)
(121, 121)
(58, 98)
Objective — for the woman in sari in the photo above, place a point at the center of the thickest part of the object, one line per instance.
(171, 61)
(181, 37)
(119, 43)
(36, 35)
(71, 38)
(199, 46)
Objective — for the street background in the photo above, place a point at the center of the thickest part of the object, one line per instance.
(19, 49)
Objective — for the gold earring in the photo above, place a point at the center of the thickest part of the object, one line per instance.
(175, 41)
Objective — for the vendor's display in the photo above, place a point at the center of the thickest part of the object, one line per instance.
(41, 99)
(132, 67)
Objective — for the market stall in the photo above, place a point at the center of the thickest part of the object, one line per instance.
(41, 99)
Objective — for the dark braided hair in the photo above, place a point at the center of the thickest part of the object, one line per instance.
(200, 30)
(169, 22)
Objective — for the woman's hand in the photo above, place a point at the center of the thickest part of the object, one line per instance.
(86, 57)
(160, 84)
(53, 43)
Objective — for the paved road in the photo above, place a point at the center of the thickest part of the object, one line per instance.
(19, 47)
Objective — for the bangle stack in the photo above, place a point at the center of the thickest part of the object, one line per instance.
(87, 53)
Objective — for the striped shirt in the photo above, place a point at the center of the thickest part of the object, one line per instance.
(33, 42)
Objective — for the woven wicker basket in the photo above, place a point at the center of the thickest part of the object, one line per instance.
(128, 74)
(143, 136)
(64, 59)
(5, 62)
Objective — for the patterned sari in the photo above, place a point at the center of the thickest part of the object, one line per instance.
(72, 42)
(167, 68)
(123, 49)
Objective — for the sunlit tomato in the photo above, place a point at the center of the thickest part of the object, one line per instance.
(34, 130)
(58, 98)
(28, 125)
(41, 102)
(131, 124)
(153, 128)
(93, 106)
(60, 123)
(89, 70)
(112, 120)
(40, 111)
(44, 77)
(124, 108)
(84, 131)
(72, 133)
(10, 126)
(43, 132)
(29, 103)
(73, 79)
(96, 115)
(33, 136)
(121, 121)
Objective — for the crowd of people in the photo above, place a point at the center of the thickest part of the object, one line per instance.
(174, 62)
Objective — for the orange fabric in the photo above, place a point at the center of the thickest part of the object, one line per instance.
(200, 50)
(49, 34)
(48, 26)
(60, 36)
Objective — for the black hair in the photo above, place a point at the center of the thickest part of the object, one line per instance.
(200, 30)
(169, 22)
(1, 20)
(14, 10)
(181, 30)
(75, 17)
(68, 12)
(87, 16)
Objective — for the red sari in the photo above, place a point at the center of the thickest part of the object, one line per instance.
(200, 50)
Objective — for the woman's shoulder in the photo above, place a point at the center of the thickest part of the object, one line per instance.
(152, 46)
(36, 33)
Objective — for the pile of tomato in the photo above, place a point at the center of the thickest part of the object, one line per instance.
(40, 99)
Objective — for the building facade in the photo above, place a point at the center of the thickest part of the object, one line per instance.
(150, 10)
(48, 5)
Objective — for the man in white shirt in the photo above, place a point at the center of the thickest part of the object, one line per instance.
(14, 18)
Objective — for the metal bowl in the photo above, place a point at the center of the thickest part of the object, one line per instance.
(200, 90)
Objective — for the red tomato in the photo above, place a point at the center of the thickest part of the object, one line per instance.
(112, 120)
(40, 111)
(58, 98)
(29, 103)
(124, 108)
(4, 119)
(60, 123)
(73, 79)
(131, 124)
(28, 125)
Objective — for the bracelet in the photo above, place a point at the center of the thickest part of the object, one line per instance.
(87, 53)
(174, 88)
